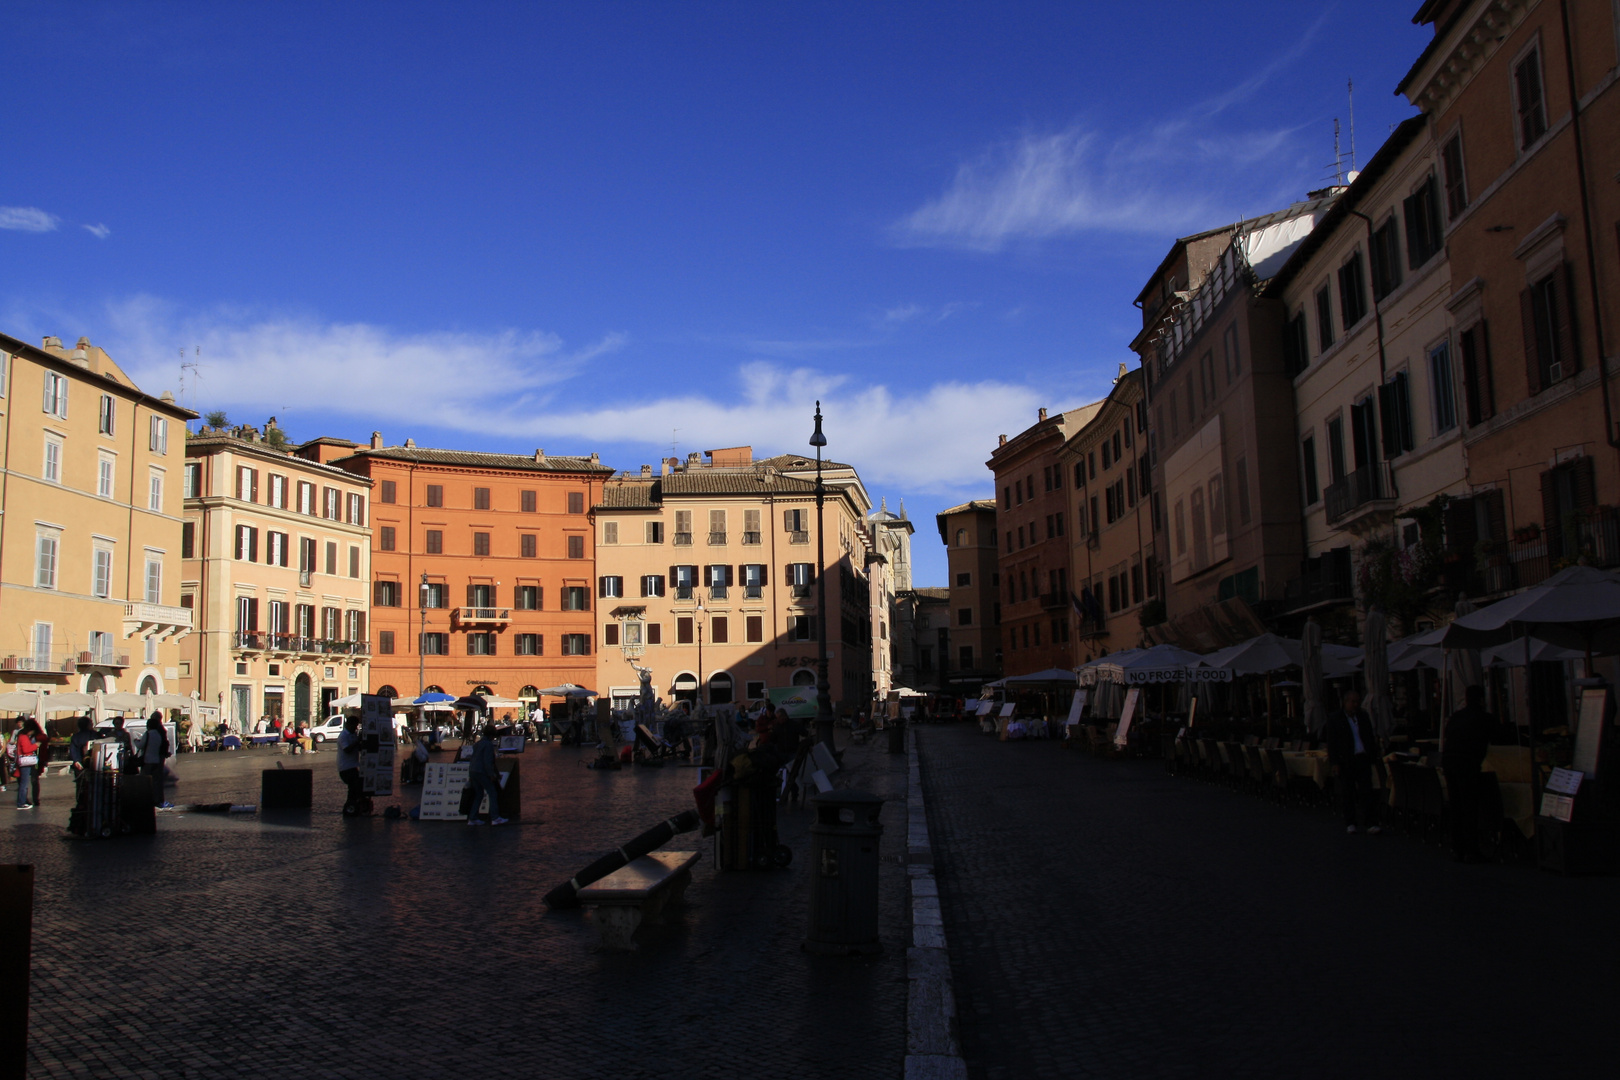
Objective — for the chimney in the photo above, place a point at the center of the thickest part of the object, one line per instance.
(167, 397)
(646, 472)
(49, 342)
(663, 466)
(693, 460)
(410, 444)
(539, 455)
(595, 458)
(1042, 413)
(376, 440)
(1001, 440)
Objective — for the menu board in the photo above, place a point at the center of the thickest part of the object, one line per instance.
(1558, 807)
(1589, 730)
(442, 782)
(1565, 781)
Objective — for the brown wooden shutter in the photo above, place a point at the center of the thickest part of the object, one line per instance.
(1569, 338)
(764, 574)
(1496, 515)
(1549, 511)
(730, 578)
(1532, 360)
(1585, 484)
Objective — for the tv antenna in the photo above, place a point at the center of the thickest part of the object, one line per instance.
(1350, 92)
(191, 366)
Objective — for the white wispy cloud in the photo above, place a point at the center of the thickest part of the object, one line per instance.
(27, 219)
(498, 387)
(100, 232)
(904, 313)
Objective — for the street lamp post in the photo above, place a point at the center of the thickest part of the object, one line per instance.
(697, 618)
(421, 641)
(824, 712)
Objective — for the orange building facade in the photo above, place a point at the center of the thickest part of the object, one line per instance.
(496, 551)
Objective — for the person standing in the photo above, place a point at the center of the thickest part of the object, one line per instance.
(78, 760)
(154, 751)
(1351, 747)
(348, 763)
(128, 764)
(29, 745)
(1467, 740)
(485, 778)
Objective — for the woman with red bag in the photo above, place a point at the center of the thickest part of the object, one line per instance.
(30, 745)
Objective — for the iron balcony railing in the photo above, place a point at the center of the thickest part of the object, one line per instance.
(1369, 484)
(753, 592)
(801, 537)
(38, 663)
(683, 539)
(483, 614)
(750, 538)
(717, 539)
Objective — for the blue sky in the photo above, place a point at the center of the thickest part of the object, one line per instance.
(626, 227)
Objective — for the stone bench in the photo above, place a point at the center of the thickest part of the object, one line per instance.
(636, 891)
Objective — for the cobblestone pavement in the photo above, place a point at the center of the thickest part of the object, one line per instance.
(1106, 919)
(319, 947)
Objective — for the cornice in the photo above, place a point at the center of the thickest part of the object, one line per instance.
(1473, 42)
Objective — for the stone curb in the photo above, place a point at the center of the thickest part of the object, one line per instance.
(932, 1052)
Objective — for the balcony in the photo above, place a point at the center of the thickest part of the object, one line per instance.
(683, 539)
(486, 616)
(801, 591)
(103, 658)
(40, 664)
(1326, 580)
(1093, 626)
(717, 539)
(306, 578)
(248, 640)
(799, 537)
(753, 592)
(1054, 602)
(156, 621)
(750, 538)
(684, 592)
(1365, 496)
(718, 592)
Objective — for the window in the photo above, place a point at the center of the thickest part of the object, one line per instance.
(435, 542)
(526, 502)
(655, 633)
(385, 642)
(964, 617)
(528, 598)
(101, 573)
(1107, 460)
(684, 634)
(1527, 98)
(1395, 414)
(1478, 397)
(385, 594)
(354, 560)
(275, 549)
(278, 491)
(247, 615)
(754, 628)
(683, 579)
(1386, 255)
(1313, 489)
(332, 504)
(1206, 383)
(435, 644)
(107, 414)
(527, 546)
(610, 532)
(1324, 318)
(528, 645)
(1424, 236)
(1175, 429)
(53, 460)
(718, 576)
(963, 580)
(331, 558)
(306, 498)
(45, 558)
(385, 538)
(720, 630)
(801, 627)
(1451, 161)
(480, 498)
(655, 532)
(1006, 498)
(1234, 359)
(652, 585)
(610, 586)
(576, 598)
(800, 576)
(753, 580)
(717, 527)
(1352, 292)
(576, 505)
(188, 540)
(154, 580)
(306, 555)
(576, 644)
(56, 395)
(480, 543)
(1336, 461)
(1296, 353)
(1242, 469)
(481, 644)
(435, 494)
(157, 436)
(191, 484)
(247, 543)
(576, 547)
(356, 508)
(751, 530)
(154, 495)
(1441, 389)
(389, 492)
(796, 522)
(1549, 330)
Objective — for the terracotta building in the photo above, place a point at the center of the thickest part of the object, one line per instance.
(277, 568)
(1037, 621)
(706, 577)
(1113, 574)
(970, 644)
(1522, 104)
(496, 551)
(89, 524)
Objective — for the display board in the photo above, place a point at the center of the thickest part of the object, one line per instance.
(1132, 695)
(377, 740)
(511, 744)
(442, 782)
(1076, 706)
(1589, 733)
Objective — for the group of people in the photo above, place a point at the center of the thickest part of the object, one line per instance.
(27, 749)
(1352, 746)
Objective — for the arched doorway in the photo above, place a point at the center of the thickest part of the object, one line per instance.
(388, 692)
(96, 682)
(720, 686)
(483, 691)
(301, 700)
(804, 677)
(434, 690)
(684, 688)
(149, 685)
(529, 693)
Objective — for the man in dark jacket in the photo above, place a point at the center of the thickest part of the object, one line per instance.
(1351, 747)
(1467, 739)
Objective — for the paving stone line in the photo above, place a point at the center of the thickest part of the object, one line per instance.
(932, 1051)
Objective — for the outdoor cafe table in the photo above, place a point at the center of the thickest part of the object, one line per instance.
(1311, 764)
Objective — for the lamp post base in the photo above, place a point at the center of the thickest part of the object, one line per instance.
(824, 732)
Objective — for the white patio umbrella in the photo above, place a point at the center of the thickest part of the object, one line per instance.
(568, 690)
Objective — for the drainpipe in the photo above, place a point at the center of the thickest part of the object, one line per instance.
(5, 460)
(1609, 434)
(1383, 366)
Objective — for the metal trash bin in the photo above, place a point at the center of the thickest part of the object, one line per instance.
(844, 874)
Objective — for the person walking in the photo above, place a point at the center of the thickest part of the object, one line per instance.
(485, 778)
(29, 747)
(1351, 747)
(154, 751)
(1467, 740)
(348, 764)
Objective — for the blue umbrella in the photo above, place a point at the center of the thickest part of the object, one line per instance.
(433, 699)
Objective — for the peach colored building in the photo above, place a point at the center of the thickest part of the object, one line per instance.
(90, 524)
(718, 556)
(970, 642)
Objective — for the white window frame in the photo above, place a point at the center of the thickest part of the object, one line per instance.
(192, 480)
(106, 476)
(152, 579)
(101, 570)
(158, 435)
(154, 491)
(1532, 46)
(44, 635)
(5, 371)
(107, 416)
(47, 558)
(55, 401)
(51, 463)
(1436, 389)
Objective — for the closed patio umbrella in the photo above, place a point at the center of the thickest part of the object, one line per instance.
(1315, 714)
(1376, 668)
